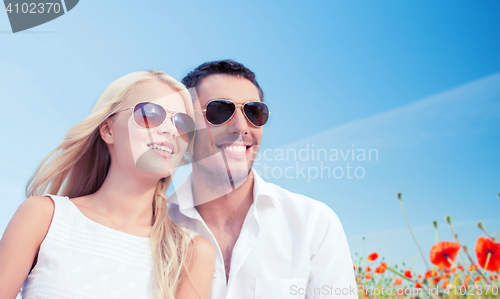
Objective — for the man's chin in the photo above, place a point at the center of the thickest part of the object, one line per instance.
(238, 176)
(220, 169)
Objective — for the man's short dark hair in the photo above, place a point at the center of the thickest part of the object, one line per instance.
(227, 67)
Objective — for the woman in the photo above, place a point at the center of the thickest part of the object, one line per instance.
(110, 236)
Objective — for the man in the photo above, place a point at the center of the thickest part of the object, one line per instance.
(270, 243)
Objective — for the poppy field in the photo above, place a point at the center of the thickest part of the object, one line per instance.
(474, 275)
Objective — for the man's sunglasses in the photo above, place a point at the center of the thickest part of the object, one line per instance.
(149, 115)
(220, 111)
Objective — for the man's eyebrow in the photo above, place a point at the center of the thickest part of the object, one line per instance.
(236, 101)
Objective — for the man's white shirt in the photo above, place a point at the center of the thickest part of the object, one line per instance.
(290, 246)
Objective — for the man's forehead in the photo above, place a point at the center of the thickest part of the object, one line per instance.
(227, 87)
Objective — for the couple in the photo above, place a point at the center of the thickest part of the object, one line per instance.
(97, 223)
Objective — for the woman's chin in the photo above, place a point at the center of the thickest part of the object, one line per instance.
(151, 162)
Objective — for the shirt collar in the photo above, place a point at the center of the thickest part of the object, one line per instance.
(262, 191)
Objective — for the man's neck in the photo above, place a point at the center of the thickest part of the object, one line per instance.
(218, 206)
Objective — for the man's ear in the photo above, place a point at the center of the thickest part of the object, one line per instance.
(106, 131)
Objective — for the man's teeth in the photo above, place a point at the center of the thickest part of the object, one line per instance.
(161, 147)
(236, 149)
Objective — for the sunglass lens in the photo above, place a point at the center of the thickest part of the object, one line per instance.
(218, 112)
(257, 113)
(185, 126)
(149, 115)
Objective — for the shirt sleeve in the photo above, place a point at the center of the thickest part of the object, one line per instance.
(332, 273)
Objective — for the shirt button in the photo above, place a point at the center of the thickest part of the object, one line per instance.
(215, 275)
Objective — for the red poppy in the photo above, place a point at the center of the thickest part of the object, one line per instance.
(443, 254)
(488, 254)
(381, 269)
(460, 267)
(368, 276)
(419, 276)
(398, 281)
(368, 269)
(445, 284)
(373, 256)
(493, 277)
(408, 274)
(431, 273)
(477, 279)
(418, 285)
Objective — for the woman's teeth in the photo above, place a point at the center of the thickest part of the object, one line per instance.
(161, 147)
(236, 149)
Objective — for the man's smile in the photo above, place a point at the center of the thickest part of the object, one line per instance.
(235, 149)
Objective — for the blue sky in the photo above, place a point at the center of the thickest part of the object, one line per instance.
(416, 80)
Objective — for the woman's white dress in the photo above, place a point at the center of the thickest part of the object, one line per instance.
(80, 258)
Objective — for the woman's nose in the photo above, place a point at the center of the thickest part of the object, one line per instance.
(168, 127)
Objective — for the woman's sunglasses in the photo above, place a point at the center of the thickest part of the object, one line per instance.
(149, 115)
(220, 111)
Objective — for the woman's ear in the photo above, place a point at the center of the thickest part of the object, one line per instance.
(106, 131)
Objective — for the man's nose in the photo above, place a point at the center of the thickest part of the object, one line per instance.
(238, 123)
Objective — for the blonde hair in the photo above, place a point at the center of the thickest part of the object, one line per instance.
(79, 165)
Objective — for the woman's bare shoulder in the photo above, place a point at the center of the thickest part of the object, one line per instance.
(35, 212)
(198, 242)
(21, 240)
(44, 203)
(202, 249)
(38, 207)
(200, 267)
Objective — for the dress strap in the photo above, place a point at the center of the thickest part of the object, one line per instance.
(62, 207)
